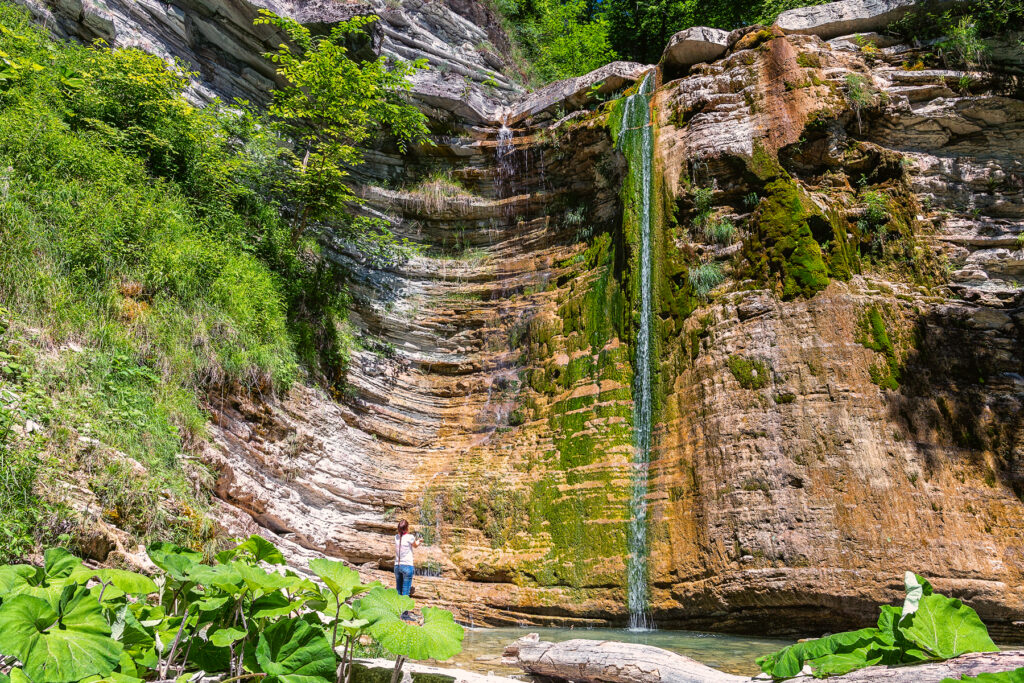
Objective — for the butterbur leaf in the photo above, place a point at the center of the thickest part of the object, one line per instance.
(274, 605)
(261, 550)
(127, 630)
(889, 619)
(341, 580)
(438, 638)
(383, 603)
(292, 651)
(14, 576)
(59, 563)
(256, 579)
(917, 587)
(76, 647)
(789, 661)
(174, 560)
(222, 576)
(225, 636)
(1015, 676)
(845, 662)
(946, 628)
(128, 582)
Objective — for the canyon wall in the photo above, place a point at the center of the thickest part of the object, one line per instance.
(838, 330)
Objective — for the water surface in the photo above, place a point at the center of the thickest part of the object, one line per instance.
(482, 648)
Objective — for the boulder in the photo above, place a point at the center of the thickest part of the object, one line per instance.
(843, 17)
(694, 45)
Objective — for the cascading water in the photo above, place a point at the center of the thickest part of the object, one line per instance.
(636, 139)
(505, 156)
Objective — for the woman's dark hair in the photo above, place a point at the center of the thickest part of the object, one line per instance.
(403, 528)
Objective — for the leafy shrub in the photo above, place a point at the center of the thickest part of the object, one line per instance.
(927, 626)
(66, 622)
(860, 95)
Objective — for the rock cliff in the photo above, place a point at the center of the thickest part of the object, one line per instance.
(839, 332)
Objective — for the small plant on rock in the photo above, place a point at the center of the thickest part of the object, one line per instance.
(705, 277)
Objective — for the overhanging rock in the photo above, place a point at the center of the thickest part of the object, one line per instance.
(844, 17)
(693, 46)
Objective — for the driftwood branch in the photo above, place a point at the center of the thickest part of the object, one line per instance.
(597, 661)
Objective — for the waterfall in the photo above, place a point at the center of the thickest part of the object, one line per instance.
(636, 139)
(507, 167)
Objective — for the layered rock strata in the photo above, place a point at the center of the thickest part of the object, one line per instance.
(839, 334)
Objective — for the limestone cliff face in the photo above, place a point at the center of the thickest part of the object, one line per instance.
(844, 405)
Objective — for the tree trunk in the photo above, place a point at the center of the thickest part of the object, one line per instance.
(597, 661)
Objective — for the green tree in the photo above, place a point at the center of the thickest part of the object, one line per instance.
(570, 43)
(330, 106)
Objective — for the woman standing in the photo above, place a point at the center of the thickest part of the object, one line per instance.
(404, 567)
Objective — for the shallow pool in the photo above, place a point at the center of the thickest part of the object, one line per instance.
(482, 648)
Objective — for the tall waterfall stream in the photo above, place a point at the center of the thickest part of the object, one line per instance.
(637, 140)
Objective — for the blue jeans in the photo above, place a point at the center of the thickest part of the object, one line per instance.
(403, 579)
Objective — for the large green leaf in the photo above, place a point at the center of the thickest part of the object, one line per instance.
(274, 605)
(127, 629)
(343, 581)
(292, 651)
(59, 563)
(917, 587)
(222, 576)
(261, 550)
(174, 560)
(14, 576)
(789, 661)
(126, 581)
(947, 628)
(58, 647)
(438, 638)
(256, 579)
(225, 636)
(1015, 676)
(382, 603)
(845, 662)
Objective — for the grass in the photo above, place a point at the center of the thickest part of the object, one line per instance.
(720, 231)
(147, 263)
(439, 190)
(705, 277)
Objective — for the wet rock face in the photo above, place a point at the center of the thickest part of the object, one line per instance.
(844, 406)
(839, 328)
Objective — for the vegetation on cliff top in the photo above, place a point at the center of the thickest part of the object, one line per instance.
(155, 254)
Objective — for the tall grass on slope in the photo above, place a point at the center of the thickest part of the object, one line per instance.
(141, 268)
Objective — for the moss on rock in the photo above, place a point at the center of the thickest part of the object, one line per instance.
(781, 246)
(751, 374)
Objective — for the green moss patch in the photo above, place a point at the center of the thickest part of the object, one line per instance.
(872, 334)
(782, 247)
(750, 373)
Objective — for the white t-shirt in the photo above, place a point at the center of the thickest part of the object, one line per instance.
(403, 550)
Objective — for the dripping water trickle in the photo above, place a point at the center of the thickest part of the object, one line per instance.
(637, 142)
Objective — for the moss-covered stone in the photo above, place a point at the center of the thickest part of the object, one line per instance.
(781, 248)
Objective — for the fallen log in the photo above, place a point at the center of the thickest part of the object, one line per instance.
(597, 661)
